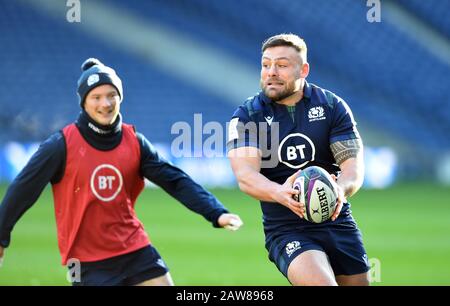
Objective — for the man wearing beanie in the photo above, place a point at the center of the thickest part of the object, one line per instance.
(96, 167)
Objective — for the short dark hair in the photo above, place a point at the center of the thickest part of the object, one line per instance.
(289, 40)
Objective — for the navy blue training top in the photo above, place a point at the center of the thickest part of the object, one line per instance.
(303, 139)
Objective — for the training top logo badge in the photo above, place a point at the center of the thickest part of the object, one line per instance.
(92, 79)
(269, 120)
(296, 150)
(292, 246)
(316, 113)
(106, 182)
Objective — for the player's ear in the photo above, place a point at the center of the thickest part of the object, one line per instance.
(304, 70)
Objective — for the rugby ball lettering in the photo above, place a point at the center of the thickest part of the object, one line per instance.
(318, 192)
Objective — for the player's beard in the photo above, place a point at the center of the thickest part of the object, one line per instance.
(278, 95)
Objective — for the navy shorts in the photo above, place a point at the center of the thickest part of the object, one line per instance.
(124, 270)
(342, 242)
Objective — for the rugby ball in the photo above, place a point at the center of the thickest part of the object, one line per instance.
(318, 192)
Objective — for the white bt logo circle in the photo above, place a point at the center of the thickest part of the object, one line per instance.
(106, 182)
(296, 150)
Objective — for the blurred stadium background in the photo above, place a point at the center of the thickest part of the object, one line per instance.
(178, 58)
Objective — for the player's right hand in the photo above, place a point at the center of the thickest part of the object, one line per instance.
(284, 193)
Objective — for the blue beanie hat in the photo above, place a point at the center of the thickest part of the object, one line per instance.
(95, 74)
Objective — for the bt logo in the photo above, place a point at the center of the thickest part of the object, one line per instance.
(292, 152)
(106, 182)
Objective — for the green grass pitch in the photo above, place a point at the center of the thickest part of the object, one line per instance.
(406, 228)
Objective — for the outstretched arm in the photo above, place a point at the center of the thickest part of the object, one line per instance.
(182, 187)
(44, 166)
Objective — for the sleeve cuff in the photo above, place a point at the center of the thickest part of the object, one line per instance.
(215, 217)
(231, 145)
(343, 137)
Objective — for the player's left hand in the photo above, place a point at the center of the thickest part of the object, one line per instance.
(231, 222)
(340, 200)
